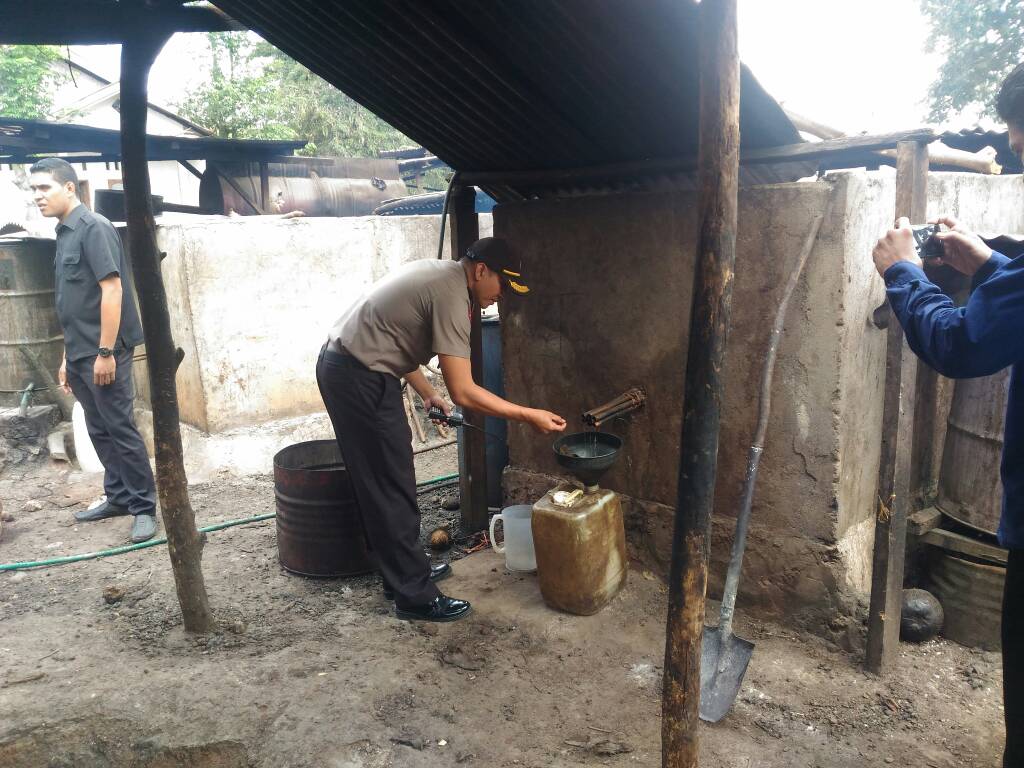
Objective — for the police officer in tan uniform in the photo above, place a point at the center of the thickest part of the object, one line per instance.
(423, 309)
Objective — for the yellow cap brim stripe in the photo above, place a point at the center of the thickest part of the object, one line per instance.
(518, 287)
(510, 273)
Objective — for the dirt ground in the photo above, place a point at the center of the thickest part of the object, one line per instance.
(95, 669)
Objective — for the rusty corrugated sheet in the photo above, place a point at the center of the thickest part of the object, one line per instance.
(974, 139)
(523, 85)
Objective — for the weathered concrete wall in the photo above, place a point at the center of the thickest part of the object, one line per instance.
(984, 204)
(251, 300)
(610, 310)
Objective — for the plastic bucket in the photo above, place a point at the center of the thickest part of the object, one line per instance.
(518, 544)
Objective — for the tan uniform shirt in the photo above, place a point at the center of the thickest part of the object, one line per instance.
(419, 311)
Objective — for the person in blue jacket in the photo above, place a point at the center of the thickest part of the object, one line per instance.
(978, 339)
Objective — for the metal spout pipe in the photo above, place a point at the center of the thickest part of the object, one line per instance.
(629, 401)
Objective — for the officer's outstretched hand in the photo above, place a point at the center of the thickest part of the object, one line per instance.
(544, 422)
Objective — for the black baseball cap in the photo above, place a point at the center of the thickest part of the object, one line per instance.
(496, 254)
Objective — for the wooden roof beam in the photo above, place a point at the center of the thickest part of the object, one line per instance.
(81, 23)
(782, 154)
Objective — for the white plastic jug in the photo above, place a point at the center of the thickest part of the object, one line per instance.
(518, 545)
(86, 454)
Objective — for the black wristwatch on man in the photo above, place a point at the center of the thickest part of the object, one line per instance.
(105, 351)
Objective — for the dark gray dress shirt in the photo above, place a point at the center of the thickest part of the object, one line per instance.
(88, 250)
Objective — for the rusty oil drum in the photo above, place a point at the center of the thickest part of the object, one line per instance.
(970, 490)
(971, 594)
(28, 314)
(319, 532)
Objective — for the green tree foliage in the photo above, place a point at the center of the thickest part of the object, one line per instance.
(981, 40)
(257, 92)
(27, 77)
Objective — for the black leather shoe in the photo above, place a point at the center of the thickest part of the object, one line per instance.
(143, 528)
(102, 512)
(437, 573)
(441, 608)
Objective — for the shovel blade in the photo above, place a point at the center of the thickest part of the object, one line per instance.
(723, 662)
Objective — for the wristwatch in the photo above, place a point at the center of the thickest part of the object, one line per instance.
(105, 351)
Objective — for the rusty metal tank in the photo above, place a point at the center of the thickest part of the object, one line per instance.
(28, 313)
(316, 186)
(319, 532)
(970, 490)
(971, 593)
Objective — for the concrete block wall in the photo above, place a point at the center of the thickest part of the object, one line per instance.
(612, 279)
(251, 300)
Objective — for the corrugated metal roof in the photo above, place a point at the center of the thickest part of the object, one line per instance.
(968, 140)
(23, 141)
(974, 139)
(428, 204)
(518, 85)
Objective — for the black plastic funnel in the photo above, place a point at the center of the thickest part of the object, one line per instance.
(587, 455)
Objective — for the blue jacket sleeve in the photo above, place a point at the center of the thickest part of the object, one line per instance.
(978, 339)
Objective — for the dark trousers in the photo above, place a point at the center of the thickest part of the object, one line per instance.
(368, 415)
(1013, 660)
(128, 478)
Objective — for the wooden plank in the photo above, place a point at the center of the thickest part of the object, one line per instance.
(931, 410)
(786, 153)
(815, 150)
(465, 231)
(923, 521)
(897, 435)
(704, 385)
(72, 22)
(965, 545)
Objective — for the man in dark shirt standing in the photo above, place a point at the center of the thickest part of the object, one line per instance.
(978, 339)
(101, 329)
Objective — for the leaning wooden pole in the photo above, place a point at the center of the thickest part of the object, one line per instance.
(709, 326)
(183, 540)
(894, 480)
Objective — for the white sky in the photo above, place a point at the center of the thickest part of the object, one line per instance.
(857, 66)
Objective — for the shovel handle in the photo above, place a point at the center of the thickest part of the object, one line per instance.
(732, 577)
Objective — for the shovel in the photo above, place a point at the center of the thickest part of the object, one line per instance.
(724, 656)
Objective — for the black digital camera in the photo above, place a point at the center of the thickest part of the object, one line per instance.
(928, 246)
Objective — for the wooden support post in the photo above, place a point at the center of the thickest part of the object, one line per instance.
(265, 188)
(709, 326)
(894, 482)
(473, 483)
(185, 546)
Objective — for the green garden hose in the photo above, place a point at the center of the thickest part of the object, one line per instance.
(163, 540)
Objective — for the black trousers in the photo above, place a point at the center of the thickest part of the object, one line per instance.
(128, 478)
(1013, 660)
(368, 415)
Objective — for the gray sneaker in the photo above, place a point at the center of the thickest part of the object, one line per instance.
(143, 528)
